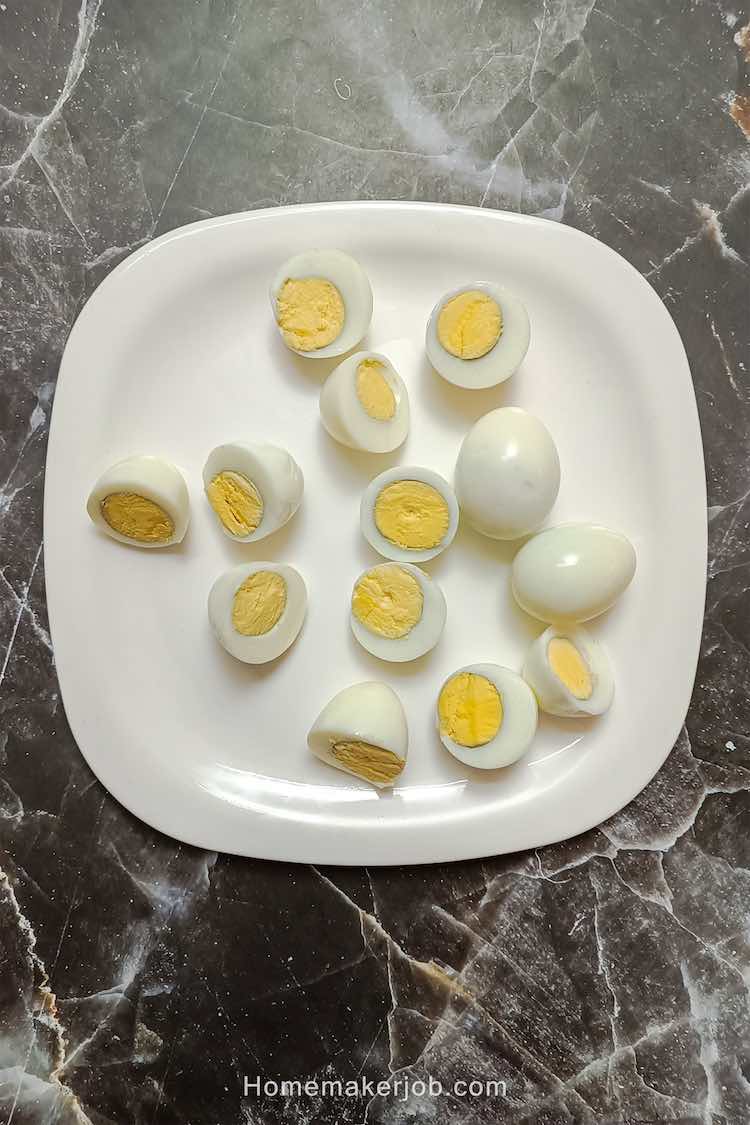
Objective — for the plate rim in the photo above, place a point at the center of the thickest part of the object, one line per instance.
(324, 854)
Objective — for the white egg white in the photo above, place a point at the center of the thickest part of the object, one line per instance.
(425, 634)
(261, 649)
(151, 477)
(503, 359)
(367, 513)
(553, 695)
(507, 474)
(275, 474)
(369, 712)
(518, 727)
(352, 282)
(346, 419)
(573, 572)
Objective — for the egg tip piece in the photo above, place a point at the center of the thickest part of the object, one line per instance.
(363, 731)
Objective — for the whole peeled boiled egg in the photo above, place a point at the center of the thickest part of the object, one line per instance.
(478, 335)
(142, 501)
(573, 572)
(569, 673)
(253, 489)
(397, 611)
(363, 732)
(507, 474)
(487, 716)
(409, 514)
(364, 404)
(322, 302)
(256, 610)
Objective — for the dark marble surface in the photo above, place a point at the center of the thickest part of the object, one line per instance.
(603, 980)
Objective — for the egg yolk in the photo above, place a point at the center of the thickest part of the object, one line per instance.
(259, 603)
(374, 391)
(236, 501)
(137, 518)
(470, 709)
(368, 761)
(411, 514)
(309, 312)
(569, 666)
(388, 601)
(470, 324)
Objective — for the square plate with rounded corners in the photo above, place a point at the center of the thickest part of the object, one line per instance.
(177, 352)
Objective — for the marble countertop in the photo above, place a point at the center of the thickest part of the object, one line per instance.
(604, 980)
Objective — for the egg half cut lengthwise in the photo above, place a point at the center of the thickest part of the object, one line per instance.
(364, 404)
(363, 732)
(254, 489)
(141, 501)
(569, 672)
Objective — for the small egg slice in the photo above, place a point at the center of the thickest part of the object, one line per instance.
(409, 514)
(253, 489)
(142, 501)
(256, 610)
(569, 673)
(364, 404)
(363, 731)
(478, 335)
(398, 612)
(322, 302)
(487, 716)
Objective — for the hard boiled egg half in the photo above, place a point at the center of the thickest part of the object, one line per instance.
(409, 514)
(142, 501)
(569, 673)
(253, 489)
(256, 610)
(487, 716)
(322, 302)
(363, 731)
(398, 612)
(478, 335)
(364, 404)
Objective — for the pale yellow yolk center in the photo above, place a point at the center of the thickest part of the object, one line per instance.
(236, 501)
(388, 600)
(411, 514)
(374, 391)
(137, 518)
(470, 709)
(310, 313)
(368, 761)
(470, 324)
(569, 666)
(259, 603)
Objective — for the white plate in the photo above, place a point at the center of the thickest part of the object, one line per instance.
(177, 352)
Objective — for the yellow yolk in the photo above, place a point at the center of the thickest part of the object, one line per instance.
(374, 391)
(411, 514)
(470, 709)
(310, 313)
(371, 762)
(135, 517)
(259, 603)
(470, 324)
(388, 600)
(236, 501)
(569, 666)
